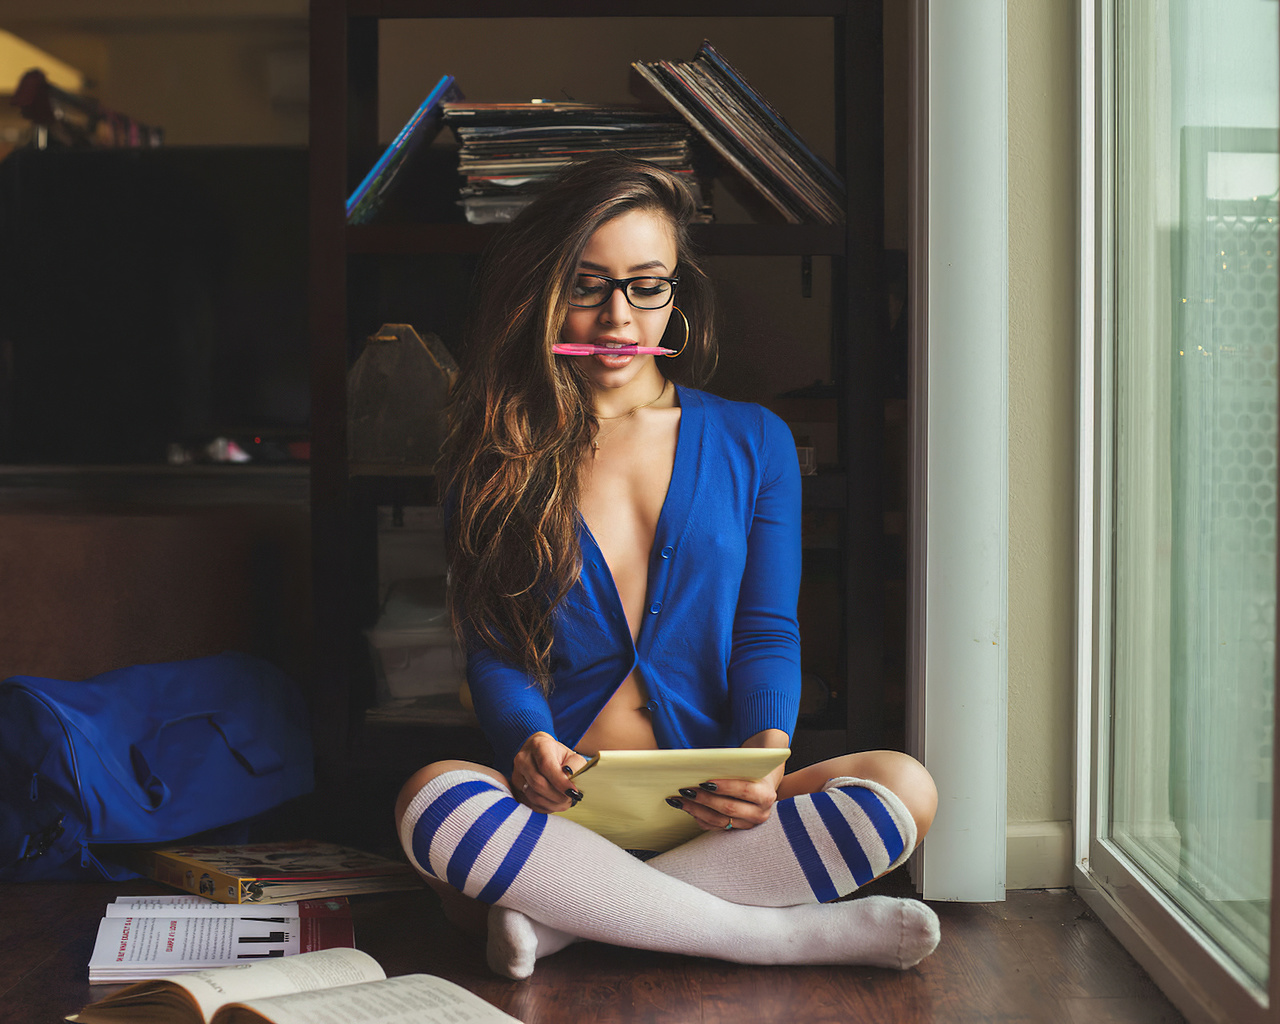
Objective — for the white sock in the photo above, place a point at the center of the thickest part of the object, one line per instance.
(814, 848)
(464, 828)
(515, 941)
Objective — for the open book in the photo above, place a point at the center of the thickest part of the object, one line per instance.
(334, 986)
(625, 791)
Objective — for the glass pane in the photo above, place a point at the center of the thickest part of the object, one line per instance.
(1194, 507)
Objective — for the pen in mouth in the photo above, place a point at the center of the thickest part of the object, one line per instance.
(575, 349)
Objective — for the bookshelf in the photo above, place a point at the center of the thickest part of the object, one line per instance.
(344, 129)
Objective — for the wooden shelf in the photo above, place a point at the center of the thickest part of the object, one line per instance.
(415, 239)
(824, 490)
(712, 239)
(394, 489)
(99, 486)
(594, 9)
(848, 501)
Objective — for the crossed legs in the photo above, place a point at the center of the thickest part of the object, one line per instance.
(747, 896)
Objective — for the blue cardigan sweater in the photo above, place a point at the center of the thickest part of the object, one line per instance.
(719, 648)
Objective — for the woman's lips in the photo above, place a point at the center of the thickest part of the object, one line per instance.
(614, 356)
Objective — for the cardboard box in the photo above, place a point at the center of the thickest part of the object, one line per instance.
(413, 648)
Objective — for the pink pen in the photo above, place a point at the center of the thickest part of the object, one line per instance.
(572, 349)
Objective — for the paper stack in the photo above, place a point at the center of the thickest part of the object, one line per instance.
(143, 937)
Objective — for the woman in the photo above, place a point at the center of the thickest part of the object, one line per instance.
(624, 558)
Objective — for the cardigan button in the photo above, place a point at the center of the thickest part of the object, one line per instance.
(651, 706)
(655, 607)
(666, 552)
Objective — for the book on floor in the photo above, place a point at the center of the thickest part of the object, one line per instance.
(344, 985)
(275, 872)
(625, 791)
(143, 937)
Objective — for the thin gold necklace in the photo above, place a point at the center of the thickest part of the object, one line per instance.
(595, 441)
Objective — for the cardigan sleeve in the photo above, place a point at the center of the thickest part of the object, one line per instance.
(764, 664)
(508, 703)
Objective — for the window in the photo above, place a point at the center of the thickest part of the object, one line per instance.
(1180, 339)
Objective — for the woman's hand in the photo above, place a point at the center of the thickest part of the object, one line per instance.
(540, 774)
(718, 803)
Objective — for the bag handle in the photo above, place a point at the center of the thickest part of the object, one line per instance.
(257, 755)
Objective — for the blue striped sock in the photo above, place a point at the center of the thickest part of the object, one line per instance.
(814, 848)
(464, 829)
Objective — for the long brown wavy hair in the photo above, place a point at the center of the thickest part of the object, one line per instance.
(520, 417)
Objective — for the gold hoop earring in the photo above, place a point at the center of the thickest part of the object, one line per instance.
(672, 355)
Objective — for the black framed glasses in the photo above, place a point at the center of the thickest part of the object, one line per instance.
(591, 290)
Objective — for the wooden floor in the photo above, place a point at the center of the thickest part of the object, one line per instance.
(1039, 958)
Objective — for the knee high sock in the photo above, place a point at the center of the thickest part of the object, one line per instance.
(815, 847)
(465, 829)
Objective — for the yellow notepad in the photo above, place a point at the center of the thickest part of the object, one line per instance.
(625, 791)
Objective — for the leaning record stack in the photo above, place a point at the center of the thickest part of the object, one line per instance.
(750, 135)
(507, 151)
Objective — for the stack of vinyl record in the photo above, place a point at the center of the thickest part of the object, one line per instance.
(507, 151)
(750, 135)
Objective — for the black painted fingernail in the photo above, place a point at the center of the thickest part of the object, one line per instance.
(675, 803)
(573, 795)
(574, 800)
(710, 787)
(566, 769)
(692, 794)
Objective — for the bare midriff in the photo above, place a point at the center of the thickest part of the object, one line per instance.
(623, 489)
(623, 723)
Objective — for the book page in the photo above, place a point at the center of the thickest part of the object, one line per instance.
(409, 999)
(625, 791)
(172, 942)
(213, 988)
(327, 968)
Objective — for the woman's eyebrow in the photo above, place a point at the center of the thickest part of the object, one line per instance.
(651, 265)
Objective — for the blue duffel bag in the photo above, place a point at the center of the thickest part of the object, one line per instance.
(147, 754)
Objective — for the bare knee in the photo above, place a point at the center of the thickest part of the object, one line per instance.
(899, 773)
(910, 781)
(424, 775)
